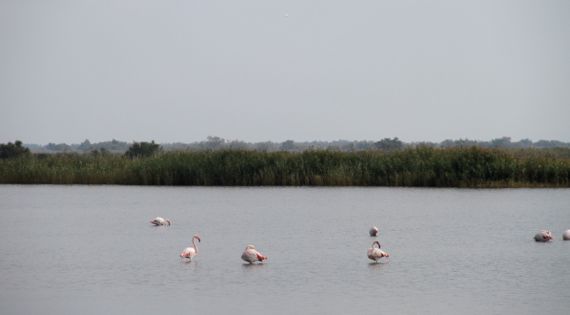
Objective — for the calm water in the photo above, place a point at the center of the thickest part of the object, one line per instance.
(90, 249)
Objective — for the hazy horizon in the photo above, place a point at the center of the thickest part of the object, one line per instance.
(180, 71)
(231, 140)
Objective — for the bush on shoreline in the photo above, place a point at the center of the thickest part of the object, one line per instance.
(12, 150)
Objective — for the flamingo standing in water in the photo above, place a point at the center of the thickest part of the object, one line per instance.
(190, 252)
(375, 253)
(373, 231)
(543, 236)
(160, 221)
(251, 255)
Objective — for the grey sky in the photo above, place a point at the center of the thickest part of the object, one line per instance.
(259, 70)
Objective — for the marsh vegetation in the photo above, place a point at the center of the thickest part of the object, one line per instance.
(422, 166)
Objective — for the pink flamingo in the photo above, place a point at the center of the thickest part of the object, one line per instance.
(543, 236)
(375, 253)
(190, 252)
(251, 255)
(160, 221)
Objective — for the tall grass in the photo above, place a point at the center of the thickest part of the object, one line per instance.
(457, 167)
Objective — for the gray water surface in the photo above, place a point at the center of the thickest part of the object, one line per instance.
(91, 250)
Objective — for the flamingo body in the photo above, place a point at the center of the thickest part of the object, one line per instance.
(543, 236)
(566, 235)
(188, 252)
(251, 255)
(375, 253)
(160, 221)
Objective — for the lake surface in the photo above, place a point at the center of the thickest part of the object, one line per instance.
(91, 250)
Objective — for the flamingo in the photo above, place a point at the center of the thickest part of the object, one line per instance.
(160, 221)
(251, 255)
(566, 235)
(375, 253)
(543, 236)
(373, 231)
(190, 252)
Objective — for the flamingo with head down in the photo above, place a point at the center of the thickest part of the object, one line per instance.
(190, 252)
(251, 255)
(160, 221)
(375, 253)
(543, 236)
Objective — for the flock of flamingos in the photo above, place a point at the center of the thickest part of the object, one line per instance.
(251, 255)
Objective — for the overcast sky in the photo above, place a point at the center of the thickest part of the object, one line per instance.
(182, 70)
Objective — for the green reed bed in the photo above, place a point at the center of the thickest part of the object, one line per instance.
(429, 167)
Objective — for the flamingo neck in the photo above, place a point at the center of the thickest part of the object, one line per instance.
(194, 244)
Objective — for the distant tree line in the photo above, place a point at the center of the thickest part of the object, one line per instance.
(217, 143)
